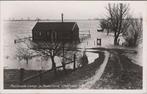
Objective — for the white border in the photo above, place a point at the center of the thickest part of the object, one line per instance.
(1, 50)
(40, 91)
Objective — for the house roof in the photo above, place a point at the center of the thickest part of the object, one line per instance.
(57, 26)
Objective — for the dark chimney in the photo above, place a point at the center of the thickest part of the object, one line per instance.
(62, 17)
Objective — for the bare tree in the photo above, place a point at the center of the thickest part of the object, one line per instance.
(49, 50)
(24, 49)
(138, 29)
(105, 25)
(44, 49)
(23, 53)
(116, 15)
(134, 32)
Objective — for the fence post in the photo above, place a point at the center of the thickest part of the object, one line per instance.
(21, 75)
(94, 42)
(40, 76)
(63, 62)
(74, 66)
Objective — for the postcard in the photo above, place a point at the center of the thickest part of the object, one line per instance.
(73, 47)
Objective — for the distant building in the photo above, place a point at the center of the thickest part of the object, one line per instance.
(55, 32)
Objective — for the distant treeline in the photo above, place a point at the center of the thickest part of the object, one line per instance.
(49, 19)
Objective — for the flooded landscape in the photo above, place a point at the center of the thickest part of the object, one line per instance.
(20, 29)
(72, 48)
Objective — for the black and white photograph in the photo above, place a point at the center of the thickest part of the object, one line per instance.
(72, 45)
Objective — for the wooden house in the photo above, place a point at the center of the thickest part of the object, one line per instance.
(55, 32)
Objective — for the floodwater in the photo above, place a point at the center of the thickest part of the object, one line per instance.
(19, 29)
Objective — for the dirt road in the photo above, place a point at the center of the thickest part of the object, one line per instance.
(91, 81)
(120, 73)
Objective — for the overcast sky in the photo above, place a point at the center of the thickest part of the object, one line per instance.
(53, 9)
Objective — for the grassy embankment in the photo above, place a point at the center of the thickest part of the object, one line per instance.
(72, 79)
(120, 72)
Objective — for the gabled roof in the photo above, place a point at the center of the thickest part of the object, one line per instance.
(57, 26)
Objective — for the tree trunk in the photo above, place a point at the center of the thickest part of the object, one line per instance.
(53, 65)
(115, 40)
(27, 61)
(135, 39)
(107, 32)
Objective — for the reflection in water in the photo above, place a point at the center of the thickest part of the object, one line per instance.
(19, 29)
(91, 57)
(37, 63)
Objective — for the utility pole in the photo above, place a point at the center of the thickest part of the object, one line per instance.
(62, 17)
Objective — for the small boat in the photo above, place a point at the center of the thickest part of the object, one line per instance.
(99, 30)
